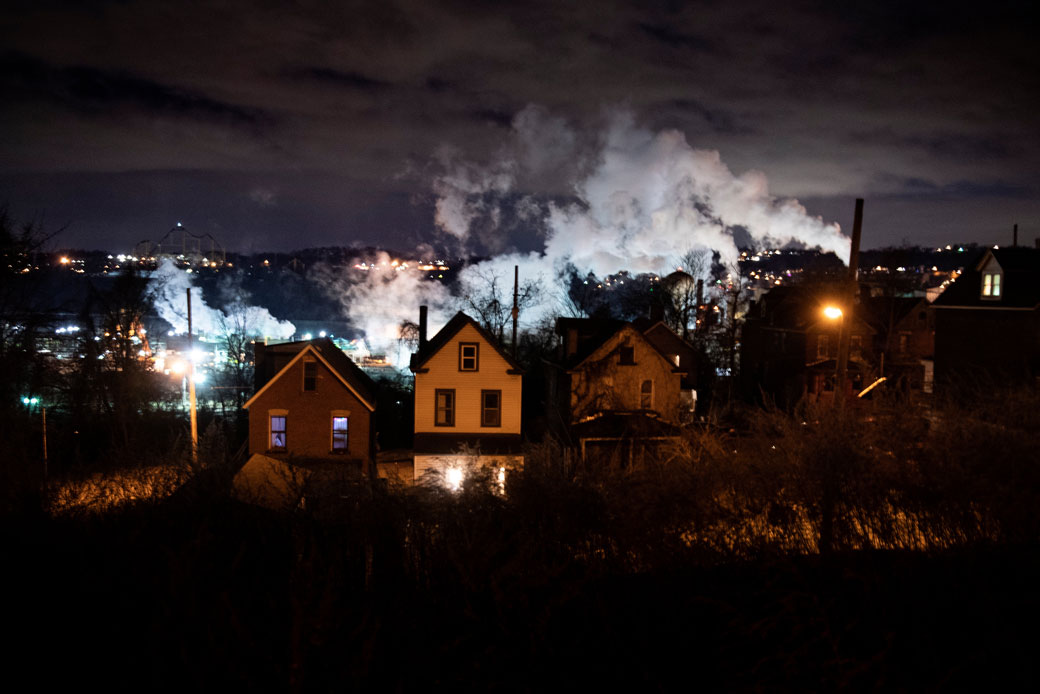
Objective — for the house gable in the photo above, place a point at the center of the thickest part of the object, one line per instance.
(444, 367)
(614, 378)
(311, 351)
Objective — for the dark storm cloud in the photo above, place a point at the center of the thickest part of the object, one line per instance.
(95, 91)
(829, 100)
(340, 78)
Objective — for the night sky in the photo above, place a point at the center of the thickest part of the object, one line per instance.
(276, 125)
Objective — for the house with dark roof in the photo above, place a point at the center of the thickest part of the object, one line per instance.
(468, 398)
(620, 388)
(311, 413)
(905, 339)
(987, 322)
(789, 345)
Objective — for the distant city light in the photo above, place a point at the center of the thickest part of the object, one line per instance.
(307, 336)
(321, 334)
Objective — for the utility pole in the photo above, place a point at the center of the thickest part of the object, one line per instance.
(845, 329)
(44, 442)
(516, 303)
(191, 391)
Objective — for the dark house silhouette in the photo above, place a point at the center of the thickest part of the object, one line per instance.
(987, 322)
(789, 347)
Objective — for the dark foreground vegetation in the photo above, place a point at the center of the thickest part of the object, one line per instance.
(879, 549)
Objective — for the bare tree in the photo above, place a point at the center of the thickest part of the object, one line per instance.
(491, 304)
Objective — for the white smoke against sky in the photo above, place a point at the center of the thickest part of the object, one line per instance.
(169, 287)
(621, 198)
(385, 298)
(638, 200)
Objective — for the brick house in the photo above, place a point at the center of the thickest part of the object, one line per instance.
(312, 412)
(468, 397)
(789, 347)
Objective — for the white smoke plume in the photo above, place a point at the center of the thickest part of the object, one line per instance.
(384, 298)
(624, 198)
(169, 287)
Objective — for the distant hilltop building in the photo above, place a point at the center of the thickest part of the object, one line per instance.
(185, 247)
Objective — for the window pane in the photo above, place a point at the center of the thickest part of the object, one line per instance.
(491, 408)
(310, 375)
(277, 432)
(646, 395)
(339, 433)
(445, 408)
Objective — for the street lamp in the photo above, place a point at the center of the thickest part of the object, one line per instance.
(832, 312)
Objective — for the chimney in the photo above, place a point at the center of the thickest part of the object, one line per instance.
(422, 328)
(1014, 237)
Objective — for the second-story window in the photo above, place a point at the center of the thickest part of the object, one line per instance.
(310, 375)
(627, 355)
(469, 356)
(444, 408)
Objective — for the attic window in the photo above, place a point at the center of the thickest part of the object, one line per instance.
(991, 285)
(469, 356)
(627, 355)
(310, 375)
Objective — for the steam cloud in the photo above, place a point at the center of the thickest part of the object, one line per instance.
(168, 288)
(625, 198)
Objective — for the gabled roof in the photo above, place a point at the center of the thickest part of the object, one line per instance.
(879, 309)
(625, 327)
(348, 373)
(449, 331)
(1020, 288)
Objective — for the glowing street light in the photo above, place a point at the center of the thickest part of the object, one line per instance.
(832, 312)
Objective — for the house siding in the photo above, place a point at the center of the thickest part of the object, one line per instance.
(309, 418)
(441, 371)
(602, 383)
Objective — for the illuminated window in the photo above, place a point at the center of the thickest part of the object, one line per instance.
(444, 415)
(991, 284)
(468, 356)
(310, 374)
(646, 395)
(339, 434)
(490, 408)
(278, 432)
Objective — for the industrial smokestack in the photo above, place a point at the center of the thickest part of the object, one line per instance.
(1014, 237)
(422, 327)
